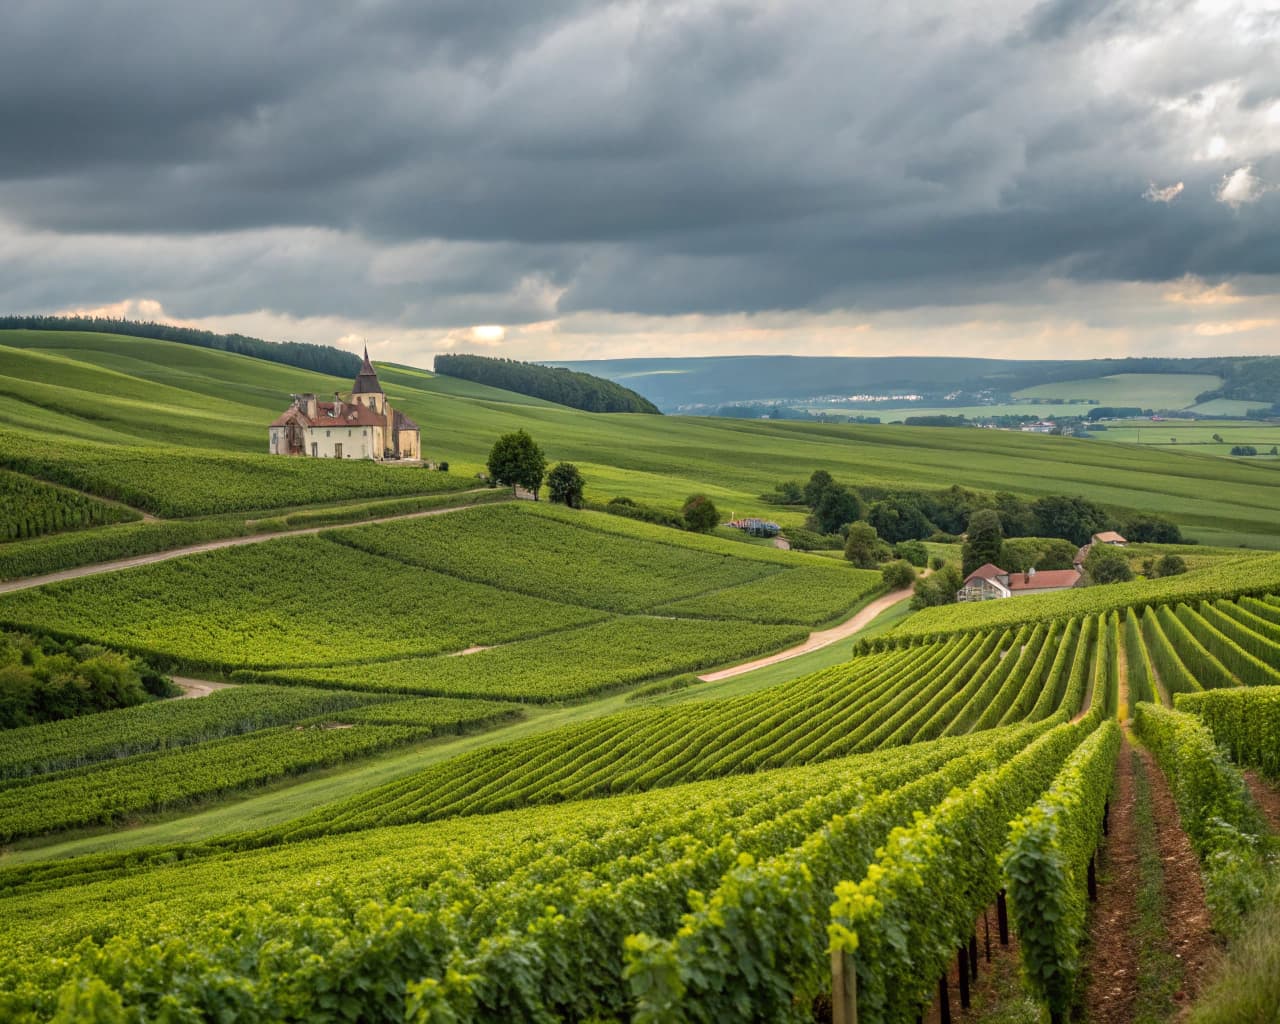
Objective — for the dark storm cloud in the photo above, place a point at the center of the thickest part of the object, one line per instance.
(637, 157)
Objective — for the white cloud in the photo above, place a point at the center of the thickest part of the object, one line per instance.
(1167, 194)
(1241, 186)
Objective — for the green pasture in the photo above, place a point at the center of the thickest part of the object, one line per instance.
(1144, 390)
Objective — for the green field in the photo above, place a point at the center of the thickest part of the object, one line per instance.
(1144, 390)
(648, 458)
(468, 773)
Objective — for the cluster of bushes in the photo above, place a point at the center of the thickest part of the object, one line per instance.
(42, 680)
(900, 515)
(553, 384)
(699, 514)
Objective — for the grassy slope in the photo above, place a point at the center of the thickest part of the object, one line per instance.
(663, 459)
(1145, 390)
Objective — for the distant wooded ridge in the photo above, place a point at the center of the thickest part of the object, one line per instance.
(713, 381)
(573, 388)
(303, 354)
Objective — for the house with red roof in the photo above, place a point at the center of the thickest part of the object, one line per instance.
(989, 582)
(361, 426)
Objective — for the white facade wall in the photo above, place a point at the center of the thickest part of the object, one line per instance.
(353, 442)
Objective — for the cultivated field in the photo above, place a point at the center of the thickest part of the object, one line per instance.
(465, 771)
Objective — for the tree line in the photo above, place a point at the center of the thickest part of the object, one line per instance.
(302, 354)
(550, 383)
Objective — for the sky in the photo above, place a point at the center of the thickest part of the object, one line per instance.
(554, 179)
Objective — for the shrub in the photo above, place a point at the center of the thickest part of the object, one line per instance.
(700, 515)
(898, 574)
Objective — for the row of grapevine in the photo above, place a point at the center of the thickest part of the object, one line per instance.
(32, 508)
(522, 917)
(1214, 806)
(1050, 851)
(873, 701)
(101, 793)
(1244, 720)
(71, 743)
(917, 903)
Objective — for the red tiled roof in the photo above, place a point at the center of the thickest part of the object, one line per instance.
(350, 416)
(985, 572)
(1049, 579)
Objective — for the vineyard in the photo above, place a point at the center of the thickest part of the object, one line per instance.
(717, 848)
(293, 611)
(30, 508)
(177, 482)
(209, 748)
(465, 774)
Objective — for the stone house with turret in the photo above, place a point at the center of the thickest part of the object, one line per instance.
(362, 426)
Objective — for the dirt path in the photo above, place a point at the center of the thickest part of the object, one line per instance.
(1126, 963)
(1111, 965)
(1267, 796)
(197, 687)
(817, 640)
(28, 582)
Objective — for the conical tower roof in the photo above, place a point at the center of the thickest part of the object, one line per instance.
(367, 379)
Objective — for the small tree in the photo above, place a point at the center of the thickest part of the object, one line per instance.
(898, 574)
(565, 484)
(985, 538)
(913, 551)
(1169, 565)
(516, 461)
(700, 515)
(863, 547)
(938, 589)
(835, 507)
(1107, 564)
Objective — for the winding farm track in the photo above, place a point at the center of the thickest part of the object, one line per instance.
(817, 640)
(28, 582)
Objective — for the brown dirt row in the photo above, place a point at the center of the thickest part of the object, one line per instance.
(1267, 796)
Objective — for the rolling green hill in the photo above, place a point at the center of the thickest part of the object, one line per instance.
(106, 386)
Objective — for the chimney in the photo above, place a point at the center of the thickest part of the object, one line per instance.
(1031, 572)
(337, 403)
(309, 405)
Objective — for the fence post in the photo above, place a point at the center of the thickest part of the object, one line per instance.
(844, 988)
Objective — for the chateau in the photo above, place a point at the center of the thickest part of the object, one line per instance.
(363, 427)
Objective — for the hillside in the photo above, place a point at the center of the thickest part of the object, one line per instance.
(564, 387)
(142, 392)
(449, 756)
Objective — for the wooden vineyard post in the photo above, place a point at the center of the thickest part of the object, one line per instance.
(963, 974)
(1002, 918)
(1093, 878)
(844, 988)
(986, 931)
(944, 1002)
(973, 954)
(1106, 814)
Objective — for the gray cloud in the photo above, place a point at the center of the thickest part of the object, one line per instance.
(462, 162)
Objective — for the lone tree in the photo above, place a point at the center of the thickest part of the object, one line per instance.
(1107, 564)
(516, 461)
(984, 541)
(565, 484)
(700, 514)
(863, 547)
